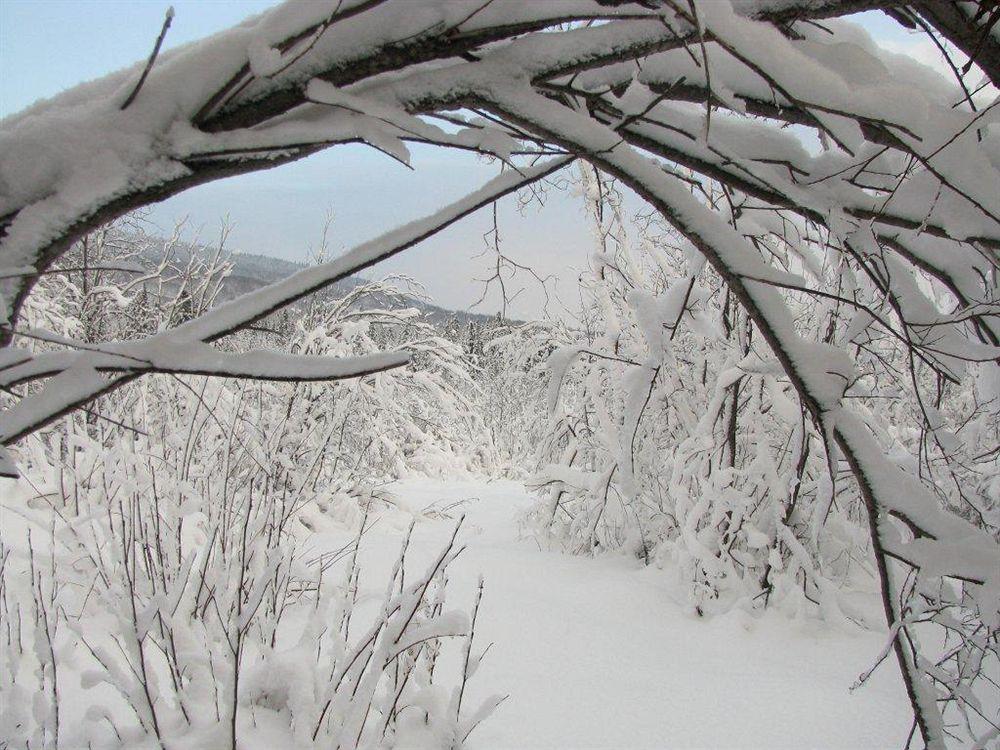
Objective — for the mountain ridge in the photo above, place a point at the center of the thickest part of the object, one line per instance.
(251, 271)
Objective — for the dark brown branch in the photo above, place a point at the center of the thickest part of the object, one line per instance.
(167, 19)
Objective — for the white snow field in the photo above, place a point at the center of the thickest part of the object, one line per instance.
(601, 652)
(598, 653)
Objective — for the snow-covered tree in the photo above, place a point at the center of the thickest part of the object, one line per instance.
(167, 565)
(796, 157)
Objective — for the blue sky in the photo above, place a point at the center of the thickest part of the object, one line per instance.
(47, 46)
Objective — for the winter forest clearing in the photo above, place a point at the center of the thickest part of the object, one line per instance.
(730, 478)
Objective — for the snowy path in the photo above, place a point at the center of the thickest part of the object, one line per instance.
(596, 654)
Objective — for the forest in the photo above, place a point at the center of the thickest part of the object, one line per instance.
(741, 490)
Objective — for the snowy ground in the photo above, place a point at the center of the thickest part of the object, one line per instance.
(596, 653)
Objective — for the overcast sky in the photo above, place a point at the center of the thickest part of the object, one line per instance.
(49, 45)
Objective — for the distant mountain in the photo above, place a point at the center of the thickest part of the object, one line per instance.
(254, 271)
(251, 271)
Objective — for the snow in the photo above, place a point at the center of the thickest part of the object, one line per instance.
(819, 372)
(78, 380)
(601, 653)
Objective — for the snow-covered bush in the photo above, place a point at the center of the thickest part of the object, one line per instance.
(506, 364)
(195, 624)
(417, 418)
(176, 588)
(169, 573)
(674, 436)
(671, 438)
(332, 439)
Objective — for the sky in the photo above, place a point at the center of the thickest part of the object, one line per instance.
(47, 46)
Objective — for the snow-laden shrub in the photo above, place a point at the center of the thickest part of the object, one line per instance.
(506, 364)
(173, 587)
(167, 564)
(413, 419)
(153, 619)
(334, 439)
(675, 436)
(672, 438)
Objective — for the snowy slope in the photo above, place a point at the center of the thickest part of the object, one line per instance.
(596, 653)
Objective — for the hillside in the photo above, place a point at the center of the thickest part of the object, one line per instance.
(251, 271)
